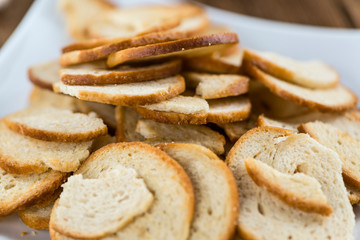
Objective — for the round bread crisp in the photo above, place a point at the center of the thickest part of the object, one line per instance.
(114, 45)
(334, 99)
(127, 94)
(184, 47)
(45, 74)
(24, 155)
(57, 125)
(23, 191)
(122, 74)
(172, 210)
(36, 218)
(216, 199)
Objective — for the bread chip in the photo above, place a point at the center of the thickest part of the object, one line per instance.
(298, 190)
(45, 74)
(262, 214)
(311, 74)
(220, 62)
(170, 217)
(212, 86)
(51, 124)
(127, 94)
(94, 208)
(216, 200)
(122, 74)
(127, 119)
(193, 110)
(37, 218)
(40, 98)
(334, 99)
(347, 148)
(114, 44)
(184, 47)
(36, 156)
(235, 130)
(23, 191)
(155, 133)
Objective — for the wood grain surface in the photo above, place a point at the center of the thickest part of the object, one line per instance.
(328, 13)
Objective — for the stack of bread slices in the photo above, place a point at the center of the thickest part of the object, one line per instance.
(157, 125)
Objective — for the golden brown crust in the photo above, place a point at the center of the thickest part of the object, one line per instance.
(12, 166)
(90, 43)
(228, 117)
(287, 197)
(100, 52)
(172, 117)
(41, 83)
(152, 72)
(35, 222)
(323, 107)
(209, 64)
(132, 100)
(234, 89)
(274, 69)
(120, 131)
(233, 200)
(32, 196)
(179, 46)
(51, 136)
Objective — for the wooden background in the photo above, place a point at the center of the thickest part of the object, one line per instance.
(329, 13)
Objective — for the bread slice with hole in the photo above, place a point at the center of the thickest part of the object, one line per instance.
(334, 99)
(213, 86)
(263, 215)
(103, 48)
(298, 190)
(127, 119)
(308, 74)
(344, 145)
(219, 62)
(171, 213)
(25, 155)
(121, 194)
(216, 199)
(40, 98)
(155, 133)
(52, 124)
(194, 110)
(184, 48)
(127, 94)
(43, 75)
(19, 192)
(119, 75)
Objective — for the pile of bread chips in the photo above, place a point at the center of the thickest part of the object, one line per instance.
(156, 124)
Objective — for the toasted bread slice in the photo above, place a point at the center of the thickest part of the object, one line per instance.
(102, 141)
(155, 133)
(194, 110)
(52, 124)
(23, 191)
(127, 94)
(216, 199)
(212, 86)
(40, 98)
(262, 214)
(36, 218)
(298, 190)
(105, 111)
(79, 14)
(334, 99)
(123, 74)
(169, 217)
(311, 74)
(184, 47)
(45, 74)
(347, 148)
(219, 62)
(230, 109)
(37, 156)
(192, 26)
(104, 47)
(127, 119)
(121, 194)
(235, 130)
(264, 121)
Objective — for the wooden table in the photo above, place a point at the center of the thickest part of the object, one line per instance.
(329, 13)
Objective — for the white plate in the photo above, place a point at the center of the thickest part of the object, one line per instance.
(41, 34)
